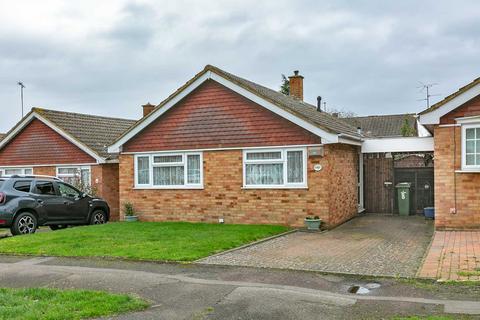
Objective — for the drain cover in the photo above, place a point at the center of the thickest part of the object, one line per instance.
(358, 290)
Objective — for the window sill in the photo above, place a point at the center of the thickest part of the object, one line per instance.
(468, 171)
(274, 187)
(170, 188)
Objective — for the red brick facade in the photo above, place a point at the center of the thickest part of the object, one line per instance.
(214, 116)
(457, 195)
(39, 144)
(331, 193)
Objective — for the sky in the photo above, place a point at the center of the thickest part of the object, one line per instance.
(110, 57)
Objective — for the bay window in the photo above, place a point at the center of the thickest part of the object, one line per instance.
(76, 176)
(15, 171)
(275, 168)
(169, 171)
(471, 147)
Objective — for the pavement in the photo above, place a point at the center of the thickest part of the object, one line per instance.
(453, 255)
(372, 244)
(190, 291)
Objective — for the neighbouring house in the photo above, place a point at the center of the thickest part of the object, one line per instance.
(455, 125)
(222, 148)
(70, 146)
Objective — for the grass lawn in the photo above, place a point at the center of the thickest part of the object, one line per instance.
(52, 304)
(166, 241)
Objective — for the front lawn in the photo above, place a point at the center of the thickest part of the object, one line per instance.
(166, 241)
(52, 304)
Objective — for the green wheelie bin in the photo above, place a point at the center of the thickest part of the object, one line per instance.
(403, 194)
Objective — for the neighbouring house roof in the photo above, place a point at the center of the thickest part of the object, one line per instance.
(95, 133)
(292, 108)
(463, 95)
(2, 135)
(382, 126)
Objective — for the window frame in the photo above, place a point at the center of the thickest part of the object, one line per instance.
(80, 168)
(283, 160)
(3, 169)
(152, 165)
(465, 166)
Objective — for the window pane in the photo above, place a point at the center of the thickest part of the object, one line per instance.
(264, 174)
(69, 171)
(264, 156)
(167, 159)
(470, 133)
(11, 172)
(67, 191)
(23, 186)
(44, 188)
(143, 170)
(471, 146)
(193, 169)
(294, 166)
(28, 171)
(477, 163)
(85, 174)
(168, 176)
(478, 133)
(470, 160)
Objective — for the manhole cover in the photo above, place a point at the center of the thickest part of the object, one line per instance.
(358, 290)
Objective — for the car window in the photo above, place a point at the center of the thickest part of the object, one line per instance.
(23, 186)
(44, 187)
(67, 191)
(1, 183)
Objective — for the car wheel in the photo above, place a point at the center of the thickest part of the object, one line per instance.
(25, 223)
(98, 217)
(58, 226)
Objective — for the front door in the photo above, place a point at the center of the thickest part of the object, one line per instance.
(421, 191)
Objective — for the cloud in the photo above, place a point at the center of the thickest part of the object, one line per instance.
(109, 57)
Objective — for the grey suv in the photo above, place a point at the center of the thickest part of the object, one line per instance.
(27, 202)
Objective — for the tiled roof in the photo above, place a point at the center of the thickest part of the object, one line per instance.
(303, 110)
(384, 125)
(299, 108)
(450, 97)
(95, 132)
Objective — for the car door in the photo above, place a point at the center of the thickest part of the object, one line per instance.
(48, 201)
(76, 204)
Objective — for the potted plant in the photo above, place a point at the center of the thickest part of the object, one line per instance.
(313, 223)
(129, 212)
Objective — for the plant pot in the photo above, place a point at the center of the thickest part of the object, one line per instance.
(131, 218)
(313, 224)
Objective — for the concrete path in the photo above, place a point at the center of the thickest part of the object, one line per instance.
(380, 245)
(212, 292)
(453, 255)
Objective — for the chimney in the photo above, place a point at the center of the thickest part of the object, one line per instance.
(319, 104)
(296, 85)
(147, 108)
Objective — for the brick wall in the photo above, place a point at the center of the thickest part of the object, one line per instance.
(454, 190)
(223, 196)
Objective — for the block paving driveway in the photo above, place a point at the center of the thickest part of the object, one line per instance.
(373, 244)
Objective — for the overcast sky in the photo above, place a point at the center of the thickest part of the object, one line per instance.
(109, 57)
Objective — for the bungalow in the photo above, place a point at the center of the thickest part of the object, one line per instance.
(70, 146)
(455, 125)
(222, 148)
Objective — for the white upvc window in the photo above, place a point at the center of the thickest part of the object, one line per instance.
(169, 171)
(275, 168)
(75, 175)
(15, 171)
(471, 146)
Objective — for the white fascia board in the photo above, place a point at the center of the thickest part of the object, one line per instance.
(52, 126)
(402, 144)
(467, 120)
(327, 137)
(433, 117)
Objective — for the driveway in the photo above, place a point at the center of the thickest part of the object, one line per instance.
(380, 245)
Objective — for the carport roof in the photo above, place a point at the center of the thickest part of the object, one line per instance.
(383, 126)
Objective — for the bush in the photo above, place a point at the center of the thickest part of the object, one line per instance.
(128, 209)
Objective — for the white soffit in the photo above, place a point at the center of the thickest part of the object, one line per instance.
(402, 144)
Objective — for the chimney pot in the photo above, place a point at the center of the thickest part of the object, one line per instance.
(296, 85)
(147, 109)
(319, 104)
